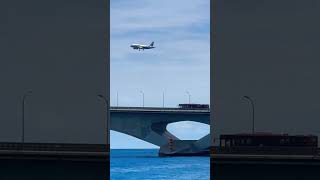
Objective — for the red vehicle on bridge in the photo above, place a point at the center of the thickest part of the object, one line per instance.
(194, 106)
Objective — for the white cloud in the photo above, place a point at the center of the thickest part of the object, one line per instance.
(142, 15)
(171, 24)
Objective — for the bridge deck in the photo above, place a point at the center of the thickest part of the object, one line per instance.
(158, 109)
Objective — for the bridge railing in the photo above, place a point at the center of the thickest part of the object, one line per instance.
(124, 108)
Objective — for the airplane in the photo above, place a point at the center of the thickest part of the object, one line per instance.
(141, 46)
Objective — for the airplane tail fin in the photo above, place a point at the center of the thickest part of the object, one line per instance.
(151, 44)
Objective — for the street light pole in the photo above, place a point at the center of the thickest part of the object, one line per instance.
(117, 99)
(142, 98)
(252, 105)
(25, 95)
(163, 99)
(189, 95)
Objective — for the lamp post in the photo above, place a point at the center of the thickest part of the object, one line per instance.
(252, 105)
(142, 98)
(24, 97)
(163, 99)
(188, 95)
(106, 109)
(117, 99)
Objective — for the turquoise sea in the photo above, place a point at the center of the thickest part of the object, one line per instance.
(139, 164)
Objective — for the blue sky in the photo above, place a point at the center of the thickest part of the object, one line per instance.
(179, 63)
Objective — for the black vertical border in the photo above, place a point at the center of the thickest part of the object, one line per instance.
(213, 34)
(107, 74)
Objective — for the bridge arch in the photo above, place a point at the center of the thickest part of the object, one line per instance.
(150, 124)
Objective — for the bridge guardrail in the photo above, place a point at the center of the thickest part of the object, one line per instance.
(157, 109)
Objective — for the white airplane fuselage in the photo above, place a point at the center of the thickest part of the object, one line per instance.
(142, 46)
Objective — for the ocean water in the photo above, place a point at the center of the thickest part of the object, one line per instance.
(145, 164)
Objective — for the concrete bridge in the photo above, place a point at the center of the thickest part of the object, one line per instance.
(150, 124)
